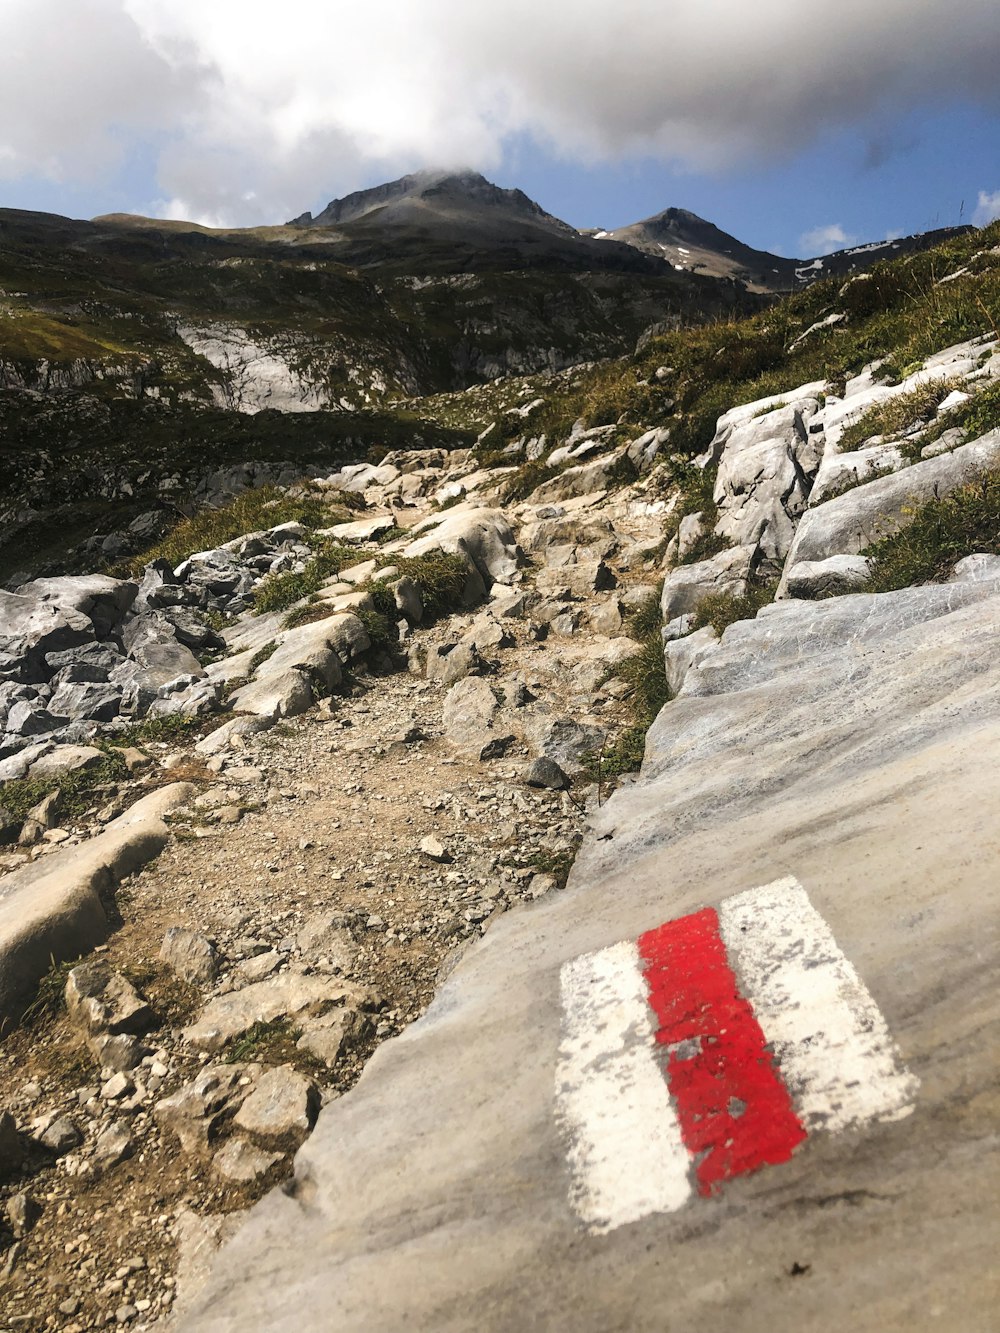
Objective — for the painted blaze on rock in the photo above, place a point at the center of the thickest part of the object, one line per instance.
(710, 1047)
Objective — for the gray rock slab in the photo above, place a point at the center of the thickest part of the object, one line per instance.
(51, 909)
(283, 1102)
(289, 993)
(436, 1194)
(686, 585)
(850, 522)
(483, 536)
(832, 577)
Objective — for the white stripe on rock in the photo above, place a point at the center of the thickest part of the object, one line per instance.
(830, 1041)
(626, 1153)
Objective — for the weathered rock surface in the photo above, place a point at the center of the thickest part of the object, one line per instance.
(283, 1102)
(685, 586)
(845, 742)
(289, 994)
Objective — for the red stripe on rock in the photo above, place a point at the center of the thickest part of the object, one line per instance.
(735, 1113)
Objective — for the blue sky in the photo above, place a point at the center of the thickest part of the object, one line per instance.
(797, 125)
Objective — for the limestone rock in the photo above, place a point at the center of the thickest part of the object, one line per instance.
(102, 1001)
(827, 578)
(545, 772)
(483, 536)
(334, 1034)
(286, 995)
(114, 1145)
(190, 955)
(685, 586)
(282, 1102)
(472, 718)
(240, 1161)
(195, 1112)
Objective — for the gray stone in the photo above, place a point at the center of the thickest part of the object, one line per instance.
(282, 1102)
(283, 996)
(727, 572)
(23, 1211)
(323, 935)
(190, 955)
(332, 1035)
(65, 759)
(102, 1001)
(472, 720)
(680, 654)
(94, 702)
(103, 600)
(241, 1162)
(196, 1112)
(119, 1053)
(61, 1136)
(448, 663)
(114, 1145)
(545, 772)
(827, 578)
(565, 741)
(434, 849)
(482, 536)
(979, 568)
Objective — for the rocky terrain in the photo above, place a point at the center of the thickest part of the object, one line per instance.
(267, 798)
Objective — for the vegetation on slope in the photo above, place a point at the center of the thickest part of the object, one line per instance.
(939, 534)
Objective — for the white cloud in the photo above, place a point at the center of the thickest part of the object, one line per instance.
(255, 110)
(987, 209)
(824, 240)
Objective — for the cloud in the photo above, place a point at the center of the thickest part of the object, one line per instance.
(987, 209)
(824, 240)
(254, 111)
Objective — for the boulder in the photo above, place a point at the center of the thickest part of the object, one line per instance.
(685, 586)
(565, 741)
(190, 955)
(102, 1001)
(827, 578)
(482, 536)
(241, 1162)
(679, 655)
(102, 600)
(472, 720)
(288, 994)
(283, 1102)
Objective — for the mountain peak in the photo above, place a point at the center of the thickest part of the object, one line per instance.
(450, 192)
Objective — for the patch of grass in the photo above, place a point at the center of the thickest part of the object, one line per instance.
(171, 729)
(644, 672)
(261, 656)
(722, 609)
(527, 478)
(974, 418)
(313, 610)
(76, 789)
(280, 591)
(253, 510)
(896, 415)
(173, 1000)
(270, 1043)
(50, 996)
(939, 534)
(704, 547)
(556, 864)
(441, 577)
(380, 626)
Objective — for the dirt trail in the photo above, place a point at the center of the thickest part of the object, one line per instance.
(330, 811)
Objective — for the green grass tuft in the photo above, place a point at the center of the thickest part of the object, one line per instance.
(938, 535)
(722, 609)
